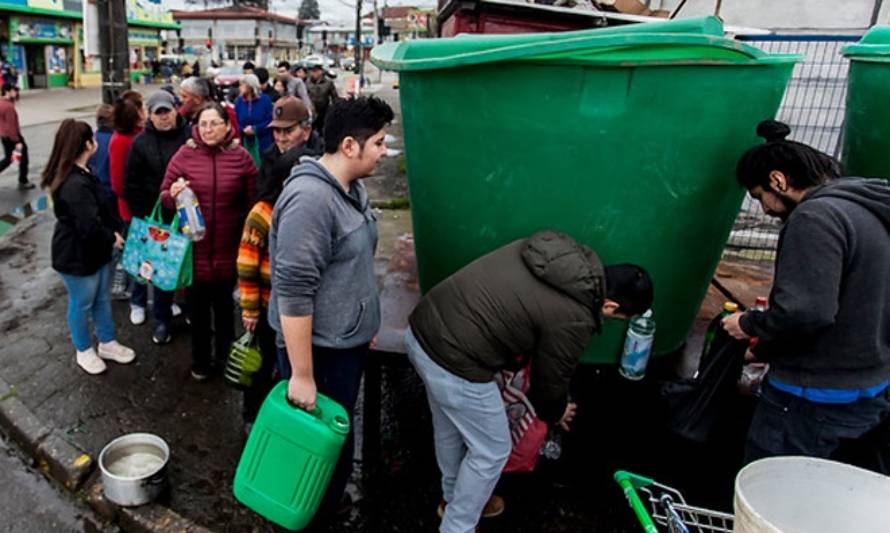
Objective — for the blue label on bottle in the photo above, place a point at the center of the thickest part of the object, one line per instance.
(636, 356)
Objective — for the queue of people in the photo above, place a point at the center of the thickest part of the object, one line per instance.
(296, 235)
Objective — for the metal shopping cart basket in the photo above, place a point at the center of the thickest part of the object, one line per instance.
(668, 507)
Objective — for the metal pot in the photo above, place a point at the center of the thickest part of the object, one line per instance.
(125, 481)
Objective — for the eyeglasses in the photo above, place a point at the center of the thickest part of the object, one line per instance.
(210, 125)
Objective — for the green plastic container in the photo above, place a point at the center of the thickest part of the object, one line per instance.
(625, 138)
(289, 458)
(867, 121)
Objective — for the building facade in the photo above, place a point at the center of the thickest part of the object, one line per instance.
(45, 40)
(238, 34)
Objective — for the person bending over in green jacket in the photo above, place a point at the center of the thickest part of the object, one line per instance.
(544, 297)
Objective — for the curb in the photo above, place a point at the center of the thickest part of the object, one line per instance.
(56, 457)
(150, 518)
(66, 464)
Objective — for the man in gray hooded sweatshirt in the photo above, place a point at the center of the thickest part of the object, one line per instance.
(826, 333)
(324, 303)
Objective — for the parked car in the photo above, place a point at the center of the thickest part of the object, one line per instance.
(316, 59)
(228, 76)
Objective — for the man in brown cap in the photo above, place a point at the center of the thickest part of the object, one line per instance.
(292, 132)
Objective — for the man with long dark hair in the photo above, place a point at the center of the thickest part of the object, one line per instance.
(826, 333)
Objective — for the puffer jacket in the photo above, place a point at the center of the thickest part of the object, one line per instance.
(539, 297)
(224, 180)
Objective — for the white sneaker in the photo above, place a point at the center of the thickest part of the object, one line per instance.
(90, 362)
(175, 310)
(137, 315)
(116, 352)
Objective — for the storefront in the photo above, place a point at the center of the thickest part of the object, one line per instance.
(145, 47)
(44, 41)
(41, 51)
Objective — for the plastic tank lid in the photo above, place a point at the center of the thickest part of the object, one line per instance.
(687, 41)
(874, 45)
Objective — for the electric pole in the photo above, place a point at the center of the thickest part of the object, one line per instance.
(113, 48)
(359, 66)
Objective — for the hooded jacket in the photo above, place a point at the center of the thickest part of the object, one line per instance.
(828, 324)
(322, 246)
(147, 163)
(539, 297)
(223, 178)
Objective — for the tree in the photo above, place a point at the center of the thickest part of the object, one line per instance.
(309, 10)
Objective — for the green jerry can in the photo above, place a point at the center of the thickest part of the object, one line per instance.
(289, 458)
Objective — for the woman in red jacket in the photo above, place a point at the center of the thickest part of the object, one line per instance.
(129, 117)
(222, 175)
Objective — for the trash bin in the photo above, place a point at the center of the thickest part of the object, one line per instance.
(625, 138)
(867, 121)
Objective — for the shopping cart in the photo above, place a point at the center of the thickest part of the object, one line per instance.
(669, 508)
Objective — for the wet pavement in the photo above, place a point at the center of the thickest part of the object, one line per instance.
(30, 503)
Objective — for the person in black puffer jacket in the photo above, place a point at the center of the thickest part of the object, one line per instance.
(87, 229)
(165, 132)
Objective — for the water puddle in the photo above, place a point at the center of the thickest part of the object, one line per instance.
(10, 219)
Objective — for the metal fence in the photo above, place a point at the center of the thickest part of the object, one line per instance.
(814, 108)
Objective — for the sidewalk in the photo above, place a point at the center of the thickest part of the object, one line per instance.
(201, 422)
(40, 106)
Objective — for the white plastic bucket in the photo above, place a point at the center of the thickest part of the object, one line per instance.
(806, 495)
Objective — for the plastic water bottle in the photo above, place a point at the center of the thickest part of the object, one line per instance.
(753, 373)
(190, 218)
(552, 447)
(17, 154)
(637, 346)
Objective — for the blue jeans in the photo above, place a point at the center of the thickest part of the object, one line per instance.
(89, 297)
(785, 424)
(471, 435)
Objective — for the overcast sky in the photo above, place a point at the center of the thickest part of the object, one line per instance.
(332, 10)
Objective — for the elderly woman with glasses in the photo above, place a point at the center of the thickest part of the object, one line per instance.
(223, 177)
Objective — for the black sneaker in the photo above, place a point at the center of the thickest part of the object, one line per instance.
(161, 334)
(200, 373)
(27, 186)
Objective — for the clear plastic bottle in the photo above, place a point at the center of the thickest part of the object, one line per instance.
(17, 154)
(190, 218)
(753, 373)
(552, 447)
(637, 346)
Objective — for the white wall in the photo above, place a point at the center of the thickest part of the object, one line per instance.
(828, 15)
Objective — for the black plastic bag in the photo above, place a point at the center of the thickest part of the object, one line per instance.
(696, 405)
